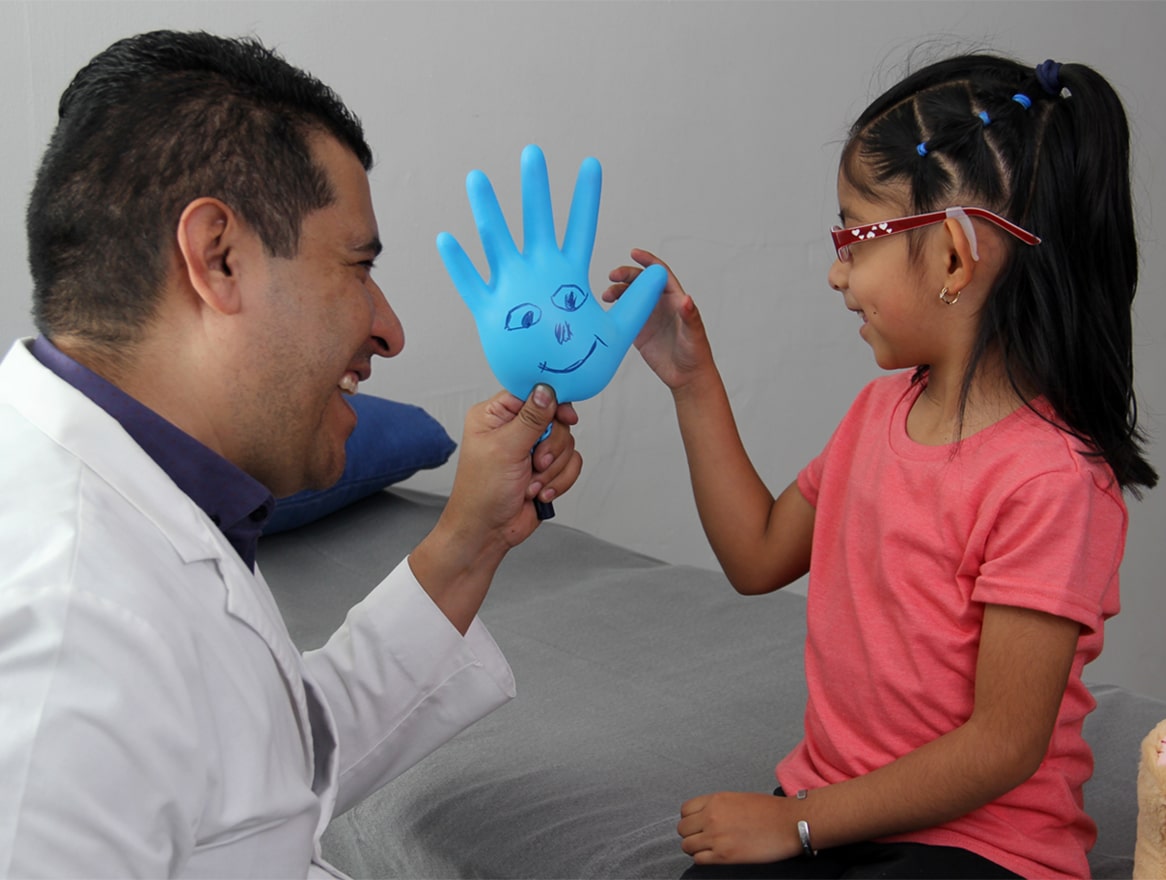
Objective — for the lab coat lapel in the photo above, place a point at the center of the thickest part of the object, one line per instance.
(249, 600)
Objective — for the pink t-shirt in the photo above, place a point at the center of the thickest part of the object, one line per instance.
(910, 543)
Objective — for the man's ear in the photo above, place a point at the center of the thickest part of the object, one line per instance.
(960, 264)
(210, 237)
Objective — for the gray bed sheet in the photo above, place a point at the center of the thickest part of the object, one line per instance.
(640, 684)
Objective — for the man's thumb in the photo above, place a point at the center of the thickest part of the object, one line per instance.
(539, 409)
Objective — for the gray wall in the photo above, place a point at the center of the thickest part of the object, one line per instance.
(718, 125)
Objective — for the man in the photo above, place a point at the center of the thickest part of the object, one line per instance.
(201, 238)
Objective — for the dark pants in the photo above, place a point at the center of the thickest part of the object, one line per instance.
(864, 860)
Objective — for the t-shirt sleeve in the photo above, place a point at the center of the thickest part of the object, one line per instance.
(841, 443)
(810, 478)
(1055, 547)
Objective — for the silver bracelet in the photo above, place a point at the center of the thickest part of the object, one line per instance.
(804, 830)
(804, 836)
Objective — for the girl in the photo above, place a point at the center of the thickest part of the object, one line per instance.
(963, 527)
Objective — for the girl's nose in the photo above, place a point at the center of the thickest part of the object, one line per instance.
(838, 275)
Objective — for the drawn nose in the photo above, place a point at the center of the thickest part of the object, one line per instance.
(562, 332)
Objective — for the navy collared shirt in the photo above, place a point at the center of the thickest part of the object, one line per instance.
(235, 501)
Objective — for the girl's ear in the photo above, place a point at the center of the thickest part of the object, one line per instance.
(209, 236)
(960, 264)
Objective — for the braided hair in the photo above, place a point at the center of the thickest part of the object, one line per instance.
(1049, 150)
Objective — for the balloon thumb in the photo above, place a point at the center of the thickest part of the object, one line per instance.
(637, 302)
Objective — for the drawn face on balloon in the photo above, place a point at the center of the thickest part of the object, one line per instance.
(536, 318)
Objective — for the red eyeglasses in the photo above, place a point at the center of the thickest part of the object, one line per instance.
(844, 238)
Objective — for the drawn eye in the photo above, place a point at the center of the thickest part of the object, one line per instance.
(523, 316)
(569, 297)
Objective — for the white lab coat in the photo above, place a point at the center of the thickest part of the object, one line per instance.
(155, 718)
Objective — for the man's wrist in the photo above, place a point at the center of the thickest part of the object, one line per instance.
(456, 570)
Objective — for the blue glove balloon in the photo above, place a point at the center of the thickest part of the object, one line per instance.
(537, 318)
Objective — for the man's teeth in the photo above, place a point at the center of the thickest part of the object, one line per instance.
(349, 383)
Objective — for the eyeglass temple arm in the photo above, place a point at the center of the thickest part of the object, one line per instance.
(961, 215)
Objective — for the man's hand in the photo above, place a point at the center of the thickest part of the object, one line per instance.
(497, 476)
(489, 509)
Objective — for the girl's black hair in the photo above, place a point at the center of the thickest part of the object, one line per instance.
(1052, 155)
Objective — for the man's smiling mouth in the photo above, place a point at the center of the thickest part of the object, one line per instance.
(570, 368)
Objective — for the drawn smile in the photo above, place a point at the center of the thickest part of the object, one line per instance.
(570, 368)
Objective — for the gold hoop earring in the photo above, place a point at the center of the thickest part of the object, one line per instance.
(951, 302)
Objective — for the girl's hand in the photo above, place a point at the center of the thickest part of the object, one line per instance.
(736, 828)
(672, 341)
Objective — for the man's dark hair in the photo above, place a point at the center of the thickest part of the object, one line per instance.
(150, 124)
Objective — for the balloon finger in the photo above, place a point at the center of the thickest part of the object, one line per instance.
(460, 268)
(492, 229)
(579, 240)
(538, 218)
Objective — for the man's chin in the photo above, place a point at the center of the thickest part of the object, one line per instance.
(321, 479)
(325, 463)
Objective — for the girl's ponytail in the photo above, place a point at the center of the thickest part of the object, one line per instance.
(1069, 326)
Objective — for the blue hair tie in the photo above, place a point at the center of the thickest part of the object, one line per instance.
(984, 118)
(921, 149)
(1023, 100)
(1048, 74)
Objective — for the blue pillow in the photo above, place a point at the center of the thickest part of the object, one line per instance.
(390, 443)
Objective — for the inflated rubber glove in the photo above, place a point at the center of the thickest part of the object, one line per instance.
(536, 317)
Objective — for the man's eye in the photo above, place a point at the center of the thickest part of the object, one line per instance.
(523, 316)
(569, 297)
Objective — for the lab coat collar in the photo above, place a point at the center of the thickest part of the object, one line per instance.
(77, 424)
(234, 500)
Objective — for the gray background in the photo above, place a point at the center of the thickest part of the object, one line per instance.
(718, 125)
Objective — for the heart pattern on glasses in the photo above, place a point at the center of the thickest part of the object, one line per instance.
(879, 229)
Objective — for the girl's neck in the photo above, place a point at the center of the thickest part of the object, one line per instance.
(936, 418)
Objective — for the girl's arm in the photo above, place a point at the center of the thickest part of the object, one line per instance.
(1023, 667)
(762, 543)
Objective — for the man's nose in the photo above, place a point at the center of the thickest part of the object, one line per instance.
(387, 333)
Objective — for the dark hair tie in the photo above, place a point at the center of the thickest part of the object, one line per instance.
(1048, 74)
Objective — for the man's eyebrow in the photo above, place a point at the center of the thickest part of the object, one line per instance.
(372, 246)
